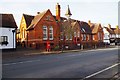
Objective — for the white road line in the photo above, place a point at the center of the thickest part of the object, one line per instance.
(106, 49)
(101, 71)
(20, 62)
(66, 56)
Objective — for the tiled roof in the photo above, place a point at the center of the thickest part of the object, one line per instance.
(117, 31)
(95, 27)
(7, 20)
(36, 19)
(85, 28)
(110, 30)
(28, 19)
(61, 18)
(113, 30)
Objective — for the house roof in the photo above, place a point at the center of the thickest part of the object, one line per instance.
(110, 30)
(61, 18)
(95, 27)
(117, 31)
(36, 19)
(7, 20)
(85, 28)
(28, 19)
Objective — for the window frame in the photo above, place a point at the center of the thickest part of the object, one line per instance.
(45, 32)
(3, 40)
(51, 32)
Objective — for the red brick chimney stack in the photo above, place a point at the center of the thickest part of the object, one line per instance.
(58, 12)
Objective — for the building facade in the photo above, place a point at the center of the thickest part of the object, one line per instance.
(8, 31)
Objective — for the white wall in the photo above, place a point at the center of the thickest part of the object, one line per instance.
(106, 36)
(8, 32)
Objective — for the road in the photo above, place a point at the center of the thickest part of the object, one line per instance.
(65, 65)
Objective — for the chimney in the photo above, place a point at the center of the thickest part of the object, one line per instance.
(38, 12)
(89, 22)
(117, 27)
(58, 12)
(109, 26)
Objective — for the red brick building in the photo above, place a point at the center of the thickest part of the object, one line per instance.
(43, 29)
(97, 34)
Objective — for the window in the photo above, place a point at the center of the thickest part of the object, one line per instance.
(83, 37)
(78, 34)
(99, 36)
(51, 33)
(88, 37)
(66, 37)
(61, 36)
(118, 35)
(74, 34)
(93, 36)
(4, 40)
(70, 36)
(83, 29)
(45, 33)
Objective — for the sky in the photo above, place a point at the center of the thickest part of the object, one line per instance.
(98, 11)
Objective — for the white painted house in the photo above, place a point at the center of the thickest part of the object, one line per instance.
(106, 36)
(111, 35)
(7, 31)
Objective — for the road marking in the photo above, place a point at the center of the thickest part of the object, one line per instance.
(65, 56)
(101, 71)
(20, 62)
(106, 49)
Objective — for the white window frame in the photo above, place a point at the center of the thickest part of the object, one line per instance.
(70, 37)
(51, 33)
(66, 37)
(78, 34)
(3, 38)
(45, 33)
(75, 35)
(83, 37)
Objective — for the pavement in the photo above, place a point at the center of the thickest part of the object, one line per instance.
(22, 52)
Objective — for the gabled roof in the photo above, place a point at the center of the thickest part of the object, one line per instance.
(110, 30)
(28, 19)
(7, 20)
(117, 31)
(36, 19)
(95, 27)
(85, 28)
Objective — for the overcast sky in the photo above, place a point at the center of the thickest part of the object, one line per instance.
(101, 11)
